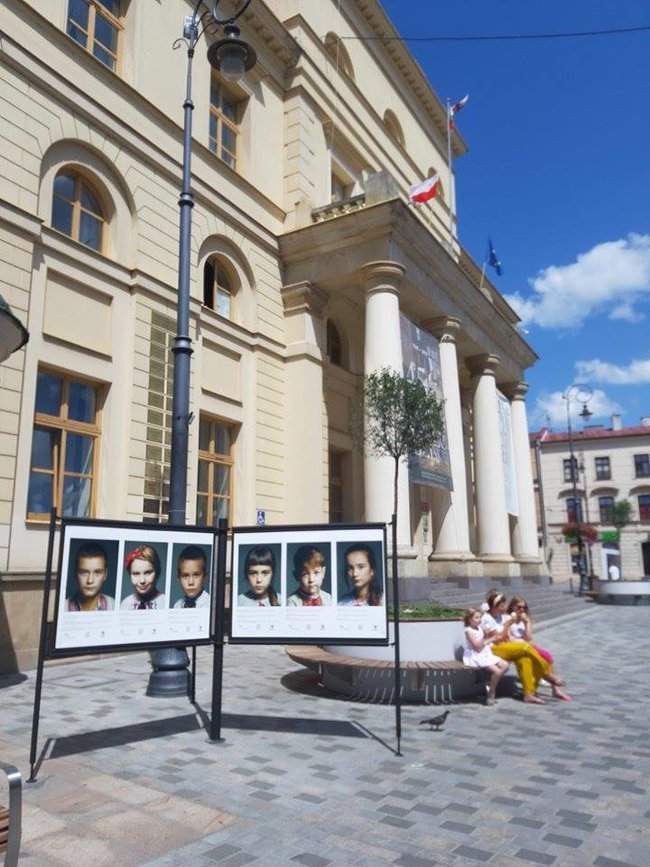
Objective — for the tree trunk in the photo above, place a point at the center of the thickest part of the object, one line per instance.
(395, 479)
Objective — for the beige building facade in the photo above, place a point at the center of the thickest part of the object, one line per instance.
(611, 464)
(305, 252)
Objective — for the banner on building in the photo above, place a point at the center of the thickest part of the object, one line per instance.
(508, 454)
(320, 584)
(421, 359)
(125, 585)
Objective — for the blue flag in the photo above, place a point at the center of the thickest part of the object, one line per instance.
(493, 259)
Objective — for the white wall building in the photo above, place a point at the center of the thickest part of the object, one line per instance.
(304, 254)
(613, 463)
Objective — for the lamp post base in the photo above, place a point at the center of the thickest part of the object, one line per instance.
(170, 676)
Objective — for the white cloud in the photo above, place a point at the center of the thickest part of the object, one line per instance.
(550, 407)
(635, 373)
(612, 276)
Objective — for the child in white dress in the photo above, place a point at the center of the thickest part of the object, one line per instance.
(477, 652)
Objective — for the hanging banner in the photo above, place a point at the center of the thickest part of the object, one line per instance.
(129, 585)
(507, 454)
(421, 359)
(324, 584)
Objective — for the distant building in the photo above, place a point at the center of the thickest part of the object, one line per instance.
(612, 463)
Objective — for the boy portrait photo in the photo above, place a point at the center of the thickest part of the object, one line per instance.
(92, 575)
(191, 568)
(309, 579)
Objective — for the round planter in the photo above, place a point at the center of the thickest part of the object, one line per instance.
(623, 592)
(420, 641)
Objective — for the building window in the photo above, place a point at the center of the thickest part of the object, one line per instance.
(226, 111)
(574, 510)
(334, 344)
(340, 189)
(336, 487)
(64, 447)
(96, 26)
(214, 486)
(218, 287)
(339, 54)
(159, 358)
(642, 466)
(606, 508)
(76, 210)
(644, 507)
(568, 475)
(603, 469)
(393, 127)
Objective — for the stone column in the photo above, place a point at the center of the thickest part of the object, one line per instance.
(453, 533)
(383, 348)
(306, 434)
(493, 523)
(524, 537)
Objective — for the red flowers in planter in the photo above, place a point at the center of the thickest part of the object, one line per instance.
(588, 532)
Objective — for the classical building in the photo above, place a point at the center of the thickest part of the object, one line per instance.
(305, 253)
(610, 464)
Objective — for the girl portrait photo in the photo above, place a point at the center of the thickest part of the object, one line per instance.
(259, 576)
(360, 573)
(143, 581)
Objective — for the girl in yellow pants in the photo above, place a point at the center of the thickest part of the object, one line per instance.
(531, 667)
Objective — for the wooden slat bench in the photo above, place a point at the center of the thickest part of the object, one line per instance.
(10, 817)
(373, 679)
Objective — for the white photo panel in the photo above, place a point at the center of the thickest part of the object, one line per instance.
(318, 585)
(126, 585)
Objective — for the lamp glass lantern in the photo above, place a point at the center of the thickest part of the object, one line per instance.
(231, 56)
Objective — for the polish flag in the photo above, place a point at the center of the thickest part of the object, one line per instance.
(455, 108)
(424, 191)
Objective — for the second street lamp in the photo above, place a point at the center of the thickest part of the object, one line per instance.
(232, 57)
(582, 394)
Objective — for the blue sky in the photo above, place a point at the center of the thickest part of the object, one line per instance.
(558, 174)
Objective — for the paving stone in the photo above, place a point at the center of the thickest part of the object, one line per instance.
(413, 861)
(311, 860)
(562, 840)
(474, 854)
(535, 857)
(602, 861)
(526, 823)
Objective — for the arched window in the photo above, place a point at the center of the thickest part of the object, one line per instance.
(219, 287)
(393, 127)
(76, 210)
(339, 54)
(334, 344)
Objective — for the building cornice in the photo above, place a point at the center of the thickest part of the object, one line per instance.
(391, 230)
(380, 26)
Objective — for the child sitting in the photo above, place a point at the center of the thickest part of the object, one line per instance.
(520, 628)
(477, 652)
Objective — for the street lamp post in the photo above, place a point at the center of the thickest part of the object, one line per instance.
(232, 57)
(582, 394)
(13, 333)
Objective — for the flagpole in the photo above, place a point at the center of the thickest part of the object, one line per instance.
(451, 181)
(480, 285)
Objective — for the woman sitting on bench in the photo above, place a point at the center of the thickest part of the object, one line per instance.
(531, 667)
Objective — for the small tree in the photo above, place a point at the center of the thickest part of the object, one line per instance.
(402, 418)
(621, 516)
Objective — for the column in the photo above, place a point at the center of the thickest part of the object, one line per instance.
(524, 537)
(383, 348)
(493, 522)
(306, 447)
(452, 542)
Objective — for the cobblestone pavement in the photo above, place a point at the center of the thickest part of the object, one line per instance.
(306, 779)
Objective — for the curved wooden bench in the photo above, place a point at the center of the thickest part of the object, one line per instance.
(10, 818)
(372, 679)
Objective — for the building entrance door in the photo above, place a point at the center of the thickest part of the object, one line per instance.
(645, 549)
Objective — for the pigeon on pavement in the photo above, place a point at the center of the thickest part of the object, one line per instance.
(435, 721)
